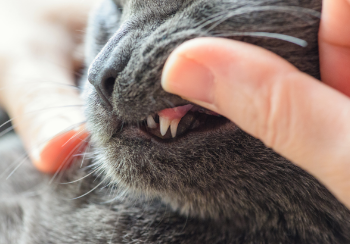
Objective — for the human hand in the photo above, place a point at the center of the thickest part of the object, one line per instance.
(40, 49)
(299, 117)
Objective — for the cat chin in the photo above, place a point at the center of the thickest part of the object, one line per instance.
(223, 174)
(189, 174)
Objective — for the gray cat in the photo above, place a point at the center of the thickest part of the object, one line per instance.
(207, 183)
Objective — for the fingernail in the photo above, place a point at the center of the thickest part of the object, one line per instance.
(187, 78)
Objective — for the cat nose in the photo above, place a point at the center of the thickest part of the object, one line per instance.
(103, 81)
(108, 64)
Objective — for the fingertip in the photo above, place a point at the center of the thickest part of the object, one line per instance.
(217, 71)
(168, 67)
(58, 153)
(334, 22)
(188, 78)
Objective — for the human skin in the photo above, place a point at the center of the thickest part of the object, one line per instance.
(40, 50)
(299, 117)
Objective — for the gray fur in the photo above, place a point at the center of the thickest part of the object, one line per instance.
(221, 186)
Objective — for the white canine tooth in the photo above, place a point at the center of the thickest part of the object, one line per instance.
(151, 123)
(173, 127)
(164, 125)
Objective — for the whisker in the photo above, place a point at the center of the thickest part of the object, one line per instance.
(88, 149)
(99, 175)
(282, 37)
(23, 157)
(185, 222)
(17, 167)
(168, 102)
(66, 160)
(88, 191)
(75, 135)
(4, 132)
(218, 18)
(121, 128)
(40, 110)
(71, 182)
(110, 194)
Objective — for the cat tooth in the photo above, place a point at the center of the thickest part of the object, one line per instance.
(151, 123)
(164, 125)
(173, 127)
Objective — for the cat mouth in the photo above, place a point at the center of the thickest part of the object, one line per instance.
(173, 123)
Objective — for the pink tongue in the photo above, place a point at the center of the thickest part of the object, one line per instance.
(175, 113)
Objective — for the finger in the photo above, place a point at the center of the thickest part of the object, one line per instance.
(44, 104)
(334, 42)
(58, 153)
(37, 81)
(299, 117)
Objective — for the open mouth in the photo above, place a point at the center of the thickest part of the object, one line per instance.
(175, 122)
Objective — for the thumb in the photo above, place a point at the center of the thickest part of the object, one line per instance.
(291, 112)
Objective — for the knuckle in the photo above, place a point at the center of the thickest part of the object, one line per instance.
(276, 111)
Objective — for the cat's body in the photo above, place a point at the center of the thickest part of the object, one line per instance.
(211, 186)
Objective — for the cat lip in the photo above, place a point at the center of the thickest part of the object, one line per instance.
(169, 117)
(171, 124)
(175, 122)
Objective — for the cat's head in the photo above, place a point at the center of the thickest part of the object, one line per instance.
(211, 168)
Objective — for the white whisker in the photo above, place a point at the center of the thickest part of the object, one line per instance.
(282, 37)
(71, 182)
(219, 18)
(23, 157)
(40, 110)
(4, 132)
(75, 135)
(88, 191)
(66, 160)
(19, 165)
(82, 161)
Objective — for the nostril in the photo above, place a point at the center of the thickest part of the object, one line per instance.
(108, 86)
